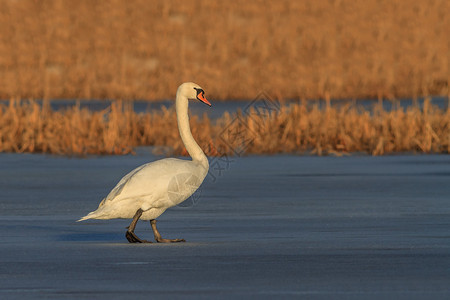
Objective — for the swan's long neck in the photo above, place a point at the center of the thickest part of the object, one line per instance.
(191, 145)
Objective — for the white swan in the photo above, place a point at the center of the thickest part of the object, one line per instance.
(147, 191)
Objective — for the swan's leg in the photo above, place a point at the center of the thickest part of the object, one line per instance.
(158, 237)
(130, 235)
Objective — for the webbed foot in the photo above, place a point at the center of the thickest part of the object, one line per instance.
(158, 237)
(133, 238)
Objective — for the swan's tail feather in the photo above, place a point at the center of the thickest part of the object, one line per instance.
(91, 215)
(85, 218)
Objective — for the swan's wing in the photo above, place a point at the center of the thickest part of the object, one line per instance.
(121, 185)
(171, 178)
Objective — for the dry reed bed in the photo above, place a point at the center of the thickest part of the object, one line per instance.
(298, 128)
(136, 49)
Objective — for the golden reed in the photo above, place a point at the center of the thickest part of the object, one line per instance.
(296, 128)
(139, 49)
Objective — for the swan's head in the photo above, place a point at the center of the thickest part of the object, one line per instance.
(193, 91)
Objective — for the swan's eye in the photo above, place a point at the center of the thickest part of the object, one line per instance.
(199, 91)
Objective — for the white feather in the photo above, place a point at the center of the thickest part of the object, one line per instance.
(157, 186)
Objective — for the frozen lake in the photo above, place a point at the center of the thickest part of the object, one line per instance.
(356, 227)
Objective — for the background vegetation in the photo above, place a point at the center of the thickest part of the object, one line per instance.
(131, 49)
(296, 128)
(139, 49)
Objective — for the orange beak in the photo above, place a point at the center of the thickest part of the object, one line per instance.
(202, 98)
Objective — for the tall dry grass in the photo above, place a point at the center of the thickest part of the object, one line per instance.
(297, 128)
(348, 129)
(136, 49)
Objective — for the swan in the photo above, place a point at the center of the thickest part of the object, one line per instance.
(147, 191)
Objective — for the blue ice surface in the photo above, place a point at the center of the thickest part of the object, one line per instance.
(356, 227)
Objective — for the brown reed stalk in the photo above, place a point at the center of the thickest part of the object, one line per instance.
(132, 50)
(26, 126)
